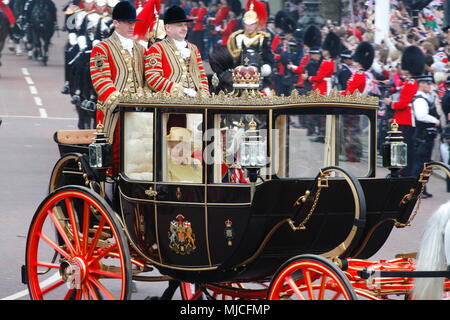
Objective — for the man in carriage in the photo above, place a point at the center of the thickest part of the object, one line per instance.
(117, 67)
(174, 65)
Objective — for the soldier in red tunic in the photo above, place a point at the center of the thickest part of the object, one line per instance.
(330, 50)
(363, 60)
(413, 63)
(7, 10)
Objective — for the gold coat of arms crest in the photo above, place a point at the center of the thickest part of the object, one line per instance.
(181, 237)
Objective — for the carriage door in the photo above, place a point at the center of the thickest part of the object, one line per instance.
(180, 200)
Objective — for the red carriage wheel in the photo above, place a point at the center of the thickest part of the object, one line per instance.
(223, 291)
(189, 291)
(87, 258)
(309, 277)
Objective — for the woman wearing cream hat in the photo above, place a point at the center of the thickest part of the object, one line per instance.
(182, 167)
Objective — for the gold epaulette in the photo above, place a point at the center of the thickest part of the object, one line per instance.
(265, 34)
(71, 11)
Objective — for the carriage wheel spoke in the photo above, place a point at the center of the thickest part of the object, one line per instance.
(86, 221)
(61, 231)
(323, 284)
(52, 287)
(69, 295)
(47, 265)
(101, 224)
(294, 287)
(73, 222)
(85, 293)
(338, 293)
(54, 245)
(308, 283)
(101, 287)
(108, 274)
(104, 253)
(92, 291)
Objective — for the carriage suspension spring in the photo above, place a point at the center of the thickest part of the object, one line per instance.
(322, 182)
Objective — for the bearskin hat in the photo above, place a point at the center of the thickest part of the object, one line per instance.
(235, 6)
(413, 60)
(312, 37)
(332, 44)
(364, 54)
(284, 22)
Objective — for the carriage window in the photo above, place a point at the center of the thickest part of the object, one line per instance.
(229, 135)
(138, 145)
(182, 147)
(310, 142)
(353, 143)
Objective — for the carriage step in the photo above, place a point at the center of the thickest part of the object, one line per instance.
(23, 272)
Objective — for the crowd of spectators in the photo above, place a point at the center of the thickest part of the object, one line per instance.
(427, 29)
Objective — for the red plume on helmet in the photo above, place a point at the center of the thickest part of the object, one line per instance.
(261, 10)
(148, 16)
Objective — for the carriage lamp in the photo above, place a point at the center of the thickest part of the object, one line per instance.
(100, 151)
(252, 153)
(394, 151)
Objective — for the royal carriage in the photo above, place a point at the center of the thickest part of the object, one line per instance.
(235, 196)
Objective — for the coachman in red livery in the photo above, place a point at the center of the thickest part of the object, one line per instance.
(116, 67)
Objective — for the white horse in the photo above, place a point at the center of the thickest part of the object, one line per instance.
(434, 255)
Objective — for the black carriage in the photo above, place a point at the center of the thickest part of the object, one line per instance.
(244, 197)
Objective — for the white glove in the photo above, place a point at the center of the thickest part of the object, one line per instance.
(73, 38)
(190, 92)
(266, 70)
(82, 43)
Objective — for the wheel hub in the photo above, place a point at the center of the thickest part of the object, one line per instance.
(73, 272)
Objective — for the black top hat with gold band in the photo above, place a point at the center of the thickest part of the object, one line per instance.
(175, 14)
(124, 11)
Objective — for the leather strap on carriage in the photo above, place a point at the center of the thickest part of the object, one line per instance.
(320, 182)
(412, 200)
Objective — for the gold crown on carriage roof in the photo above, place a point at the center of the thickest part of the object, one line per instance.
(246, 77)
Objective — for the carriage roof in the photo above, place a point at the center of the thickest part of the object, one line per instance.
(248, 100)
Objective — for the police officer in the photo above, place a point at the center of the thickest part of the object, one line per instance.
(345, 70)
(71, 47)
(427, 123)
(446, 101)
(85, 94)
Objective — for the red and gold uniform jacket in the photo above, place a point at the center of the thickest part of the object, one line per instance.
(166, 70)
(115, 71)
(402, 108)
(319, 81)
(356, 82)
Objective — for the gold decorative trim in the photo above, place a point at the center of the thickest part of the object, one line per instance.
(247, 98)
